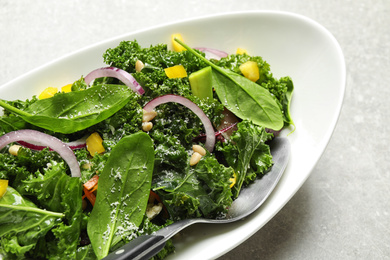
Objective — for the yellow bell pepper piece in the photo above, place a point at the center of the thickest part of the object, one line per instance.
(3, 187)
(241, 51)
(48, 92)
(250, 70)
(177, 71)
(176, 46)
(66, 88)
(233, 180)
(95, 144)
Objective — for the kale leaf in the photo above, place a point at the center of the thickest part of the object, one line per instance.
(247, 153)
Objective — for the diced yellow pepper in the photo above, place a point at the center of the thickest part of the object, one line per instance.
(233, 180)
(250, 70)
(176, 46)
(241, 51)
(177, 71)
(48, 92)
(66, 88)
(95, 144)
(3, 187)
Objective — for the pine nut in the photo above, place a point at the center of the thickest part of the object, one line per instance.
(153, 210)
(86, 166)
(147, 126)
(148, 115)
(199, 149)
(195, 158)
(14, 149)
(139, 65)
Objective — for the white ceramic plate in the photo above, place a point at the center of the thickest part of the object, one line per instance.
(292, 44)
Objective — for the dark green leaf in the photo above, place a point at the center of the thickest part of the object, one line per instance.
(287, 100)
(243, 97)
(74, 111)
(22, 224)
(246, 99)
(57, 191)
(247, 153)
(124, 188)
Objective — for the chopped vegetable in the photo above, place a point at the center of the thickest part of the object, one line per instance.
(67, 88)
(95, 144)
(177, 71)
(90, 196)
(241, 51)
(201, 83)
(250, 70)
(3, 187)
(233, 180)
(177, 47)
(91, 183)
(48, 93)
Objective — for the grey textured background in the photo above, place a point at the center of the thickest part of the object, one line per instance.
(343, 209)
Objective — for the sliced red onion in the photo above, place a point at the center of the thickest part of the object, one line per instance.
(54, 143)
(113, 72)
(219, 135)
(210, 134)
(212, 53)
(228, 119)
(74, 145)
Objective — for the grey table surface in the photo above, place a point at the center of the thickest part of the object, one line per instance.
(343, 210)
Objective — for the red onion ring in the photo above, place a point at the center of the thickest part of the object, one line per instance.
(74, 145)
(212, 53)
(54, 143)
(218, 134)
(113, 72)
(210, 133)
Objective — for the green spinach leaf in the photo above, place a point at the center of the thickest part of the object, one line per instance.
(74, 111)
(22, 223)
(286, 102)
(124, 188)
(57, 191)
(243, 97)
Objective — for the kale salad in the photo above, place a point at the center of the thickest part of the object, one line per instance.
(163, 133)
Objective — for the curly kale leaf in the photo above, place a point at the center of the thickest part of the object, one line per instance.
(247, 153)
(125, 55)
(215, 180)
(200, 191)
(233, 62)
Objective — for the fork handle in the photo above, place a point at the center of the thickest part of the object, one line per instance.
(143, 247)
